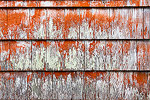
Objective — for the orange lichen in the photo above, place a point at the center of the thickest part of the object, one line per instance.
(91, 75)
(63, 74)
(126, 46)
(140, 78)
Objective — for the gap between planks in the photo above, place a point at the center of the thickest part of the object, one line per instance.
(76, 71)
(69, 7)
(74, 39)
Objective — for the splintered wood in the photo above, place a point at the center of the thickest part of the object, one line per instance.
(75, 49)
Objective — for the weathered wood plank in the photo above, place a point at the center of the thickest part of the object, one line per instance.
(20, 55)
(65, 55)
(16, 85)
(18, 23)
(102, 28)
(148, 54)
(113, 55)
(39, 55)
(53, 56)
(3, 3)
(78, 3)
(5, 55)
(62, 85)
(147, 23)
(87, 23)
(38, 23)
(71, 24)
(130, 91)
(16, 3)
(120, 24)
(35, 86)
(57, 85)
(19, 81)
(78, 86)
(102, 86)
(118, 3)
(141, 85)
(22, 3)
(95, 55)
(128, 85)
(129, 55)
(3, 25)
(90, 85)
(116, 85)
(74, 85)
(46, 85)
(148, 94)
(142, 55)
(137, 23)
(55, 23)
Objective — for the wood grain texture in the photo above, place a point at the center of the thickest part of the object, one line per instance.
(147, 23)
(65, 55)
(74, 85)
(137, 23)
(118, 3)
(95, 55)
(5, 55)
(71, 23)
(129, 55)
(62, 85)
(39, 55)
(38, 23)
(148, 54)
(128, 85)
(18, 24)
(75, 23)
(102, 27)
(87, 23)
(75, 55)
(75, 3)
(78, 86)
(116, 85)
(3, 24)
(120, 23)
(142, 55)
(114, 55)
(148, 95)
(20, 55)
(90, 85)
(55, 23)
(102, 85)
(141, 85)
(35, 64)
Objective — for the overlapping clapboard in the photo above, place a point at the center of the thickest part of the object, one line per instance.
(100, 51)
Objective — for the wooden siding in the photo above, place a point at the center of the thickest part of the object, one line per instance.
(75, 49)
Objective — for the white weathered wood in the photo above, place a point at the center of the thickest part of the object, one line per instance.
(113, 55)
(20, 55)
(87, 23)
(129, 55)
(95, 55)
